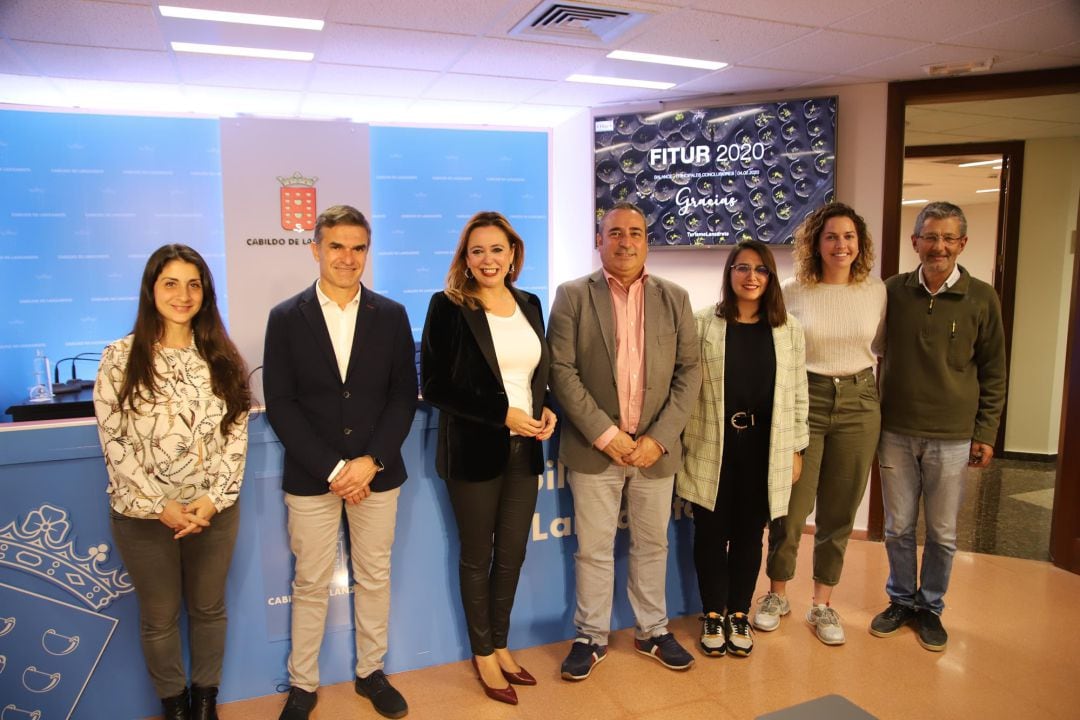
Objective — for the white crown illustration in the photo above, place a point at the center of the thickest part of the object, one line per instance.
(297, 180)
(39, 546)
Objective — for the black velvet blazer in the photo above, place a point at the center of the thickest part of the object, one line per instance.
(460, 375)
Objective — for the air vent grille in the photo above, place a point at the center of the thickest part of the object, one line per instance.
(576, 22)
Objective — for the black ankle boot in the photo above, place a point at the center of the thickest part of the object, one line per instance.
(203, 703)
(176, 707)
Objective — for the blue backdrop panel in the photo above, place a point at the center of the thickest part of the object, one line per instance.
(427, 183)
(84, 200)
(55, 510)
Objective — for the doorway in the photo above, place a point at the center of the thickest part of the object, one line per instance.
(1063, 407)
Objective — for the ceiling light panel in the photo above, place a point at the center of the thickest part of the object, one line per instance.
(621, 82)
(232, 50)
(240, 18)
(666, 60)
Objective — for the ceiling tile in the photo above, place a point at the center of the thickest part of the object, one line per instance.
(908, 65)
(443, 112)
(123, 96)
(234, 101)
(29, 90)
(461, 16)
(1035, 61)
(726, 38)
(587, 95)
(379, 47)
(82, 22)
(355, 107)
(830, 51)
(515, 58)
(744, 79)
(94, 63)
(243, 72)
(11, 62)
(456, 86)
(949, 19)
(819, 12)
(1036, 31)
(356, 80)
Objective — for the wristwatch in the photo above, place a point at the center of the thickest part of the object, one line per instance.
(378, 464)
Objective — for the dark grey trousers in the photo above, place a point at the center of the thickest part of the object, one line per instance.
(164, 572)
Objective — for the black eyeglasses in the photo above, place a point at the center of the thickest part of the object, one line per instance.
(745, 268)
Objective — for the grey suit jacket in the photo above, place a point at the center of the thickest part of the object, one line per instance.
(581, 335)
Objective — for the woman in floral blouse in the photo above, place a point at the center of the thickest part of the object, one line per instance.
(172, 404)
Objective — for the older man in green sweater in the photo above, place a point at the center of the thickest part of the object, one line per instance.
(943, 389)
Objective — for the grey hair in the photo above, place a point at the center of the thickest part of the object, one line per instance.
(940, 210)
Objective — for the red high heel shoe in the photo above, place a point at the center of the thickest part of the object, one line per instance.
(505, 695)
(521, 677)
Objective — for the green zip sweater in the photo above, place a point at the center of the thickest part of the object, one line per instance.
(943, 374)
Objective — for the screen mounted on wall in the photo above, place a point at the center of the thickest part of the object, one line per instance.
(709, 177)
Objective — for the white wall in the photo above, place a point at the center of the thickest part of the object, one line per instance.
(1043, 287)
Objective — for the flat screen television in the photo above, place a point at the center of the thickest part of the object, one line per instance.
(710, 177)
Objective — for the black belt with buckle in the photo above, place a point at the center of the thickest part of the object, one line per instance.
(742, 420)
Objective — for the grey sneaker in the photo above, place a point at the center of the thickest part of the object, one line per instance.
(712, 640)
(772, 608)
(826, 622)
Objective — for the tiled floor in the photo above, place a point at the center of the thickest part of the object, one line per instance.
(1014, 652)
(1007, 510)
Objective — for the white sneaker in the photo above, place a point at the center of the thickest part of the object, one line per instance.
(769, 612)
(712, 640)
(826, 623)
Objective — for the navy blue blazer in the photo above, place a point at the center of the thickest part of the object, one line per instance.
(460, 376)
(321, 420)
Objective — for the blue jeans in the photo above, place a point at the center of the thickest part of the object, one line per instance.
(914, 467)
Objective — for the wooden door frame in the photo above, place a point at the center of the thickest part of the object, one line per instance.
(1065, 524)
(1007, 238)
(978, 87)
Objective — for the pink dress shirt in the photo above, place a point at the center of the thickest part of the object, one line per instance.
(628, 306)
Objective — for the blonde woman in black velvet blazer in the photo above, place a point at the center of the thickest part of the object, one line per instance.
(484, 364)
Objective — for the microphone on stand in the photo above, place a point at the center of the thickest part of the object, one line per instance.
(73, 385)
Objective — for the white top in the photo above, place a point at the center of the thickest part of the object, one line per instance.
(171, 446)
(341, 324)
(844, 325)
(518, 351)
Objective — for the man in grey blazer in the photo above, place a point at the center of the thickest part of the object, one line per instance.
(625, 371)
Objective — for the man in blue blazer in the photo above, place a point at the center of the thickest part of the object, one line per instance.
(340, 385)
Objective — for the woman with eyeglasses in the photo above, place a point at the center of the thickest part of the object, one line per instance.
(842, 311)
(744, 440)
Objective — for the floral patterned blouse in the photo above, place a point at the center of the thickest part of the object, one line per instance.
(171, 448)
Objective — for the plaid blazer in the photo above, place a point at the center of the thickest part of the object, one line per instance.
(703, 438)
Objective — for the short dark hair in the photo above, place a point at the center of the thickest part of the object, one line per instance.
(340, 215)
(940, 210)
(772, 301)
(620, 206)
